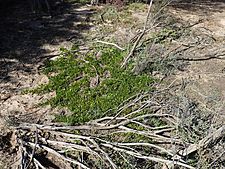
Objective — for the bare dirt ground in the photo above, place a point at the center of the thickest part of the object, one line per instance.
(27, 40)
(206, 78)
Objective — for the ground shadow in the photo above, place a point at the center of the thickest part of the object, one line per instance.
(23, 33)
(199, 5)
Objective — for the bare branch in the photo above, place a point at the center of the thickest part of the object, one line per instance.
(204, 142)
(109, 43)
(59, 155)
(139, 37)
(138, 155)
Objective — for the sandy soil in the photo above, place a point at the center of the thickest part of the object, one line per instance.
(206, 78)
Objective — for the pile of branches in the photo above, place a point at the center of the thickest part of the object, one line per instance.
(143, 134)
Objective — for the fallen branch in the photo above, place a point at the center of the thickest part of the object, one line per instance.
(109, 43)
(58, 155)
(204, 142)
(147, 145)
(217, 158)
(139, 37)
(31, 156)
(138, 155)
(90, 126)
(202, 59)
(33, 151)
(91, 140)
(71, 146)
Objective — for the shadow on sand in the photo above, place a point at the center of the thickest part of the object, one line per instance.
(23, 33)
(199, 5)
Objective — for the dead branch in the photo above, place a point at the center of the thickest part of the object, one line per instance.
(139, 37)
(92, 126)
(31, 156)
(138, 155)
(71, 146)
(209, 57)
(149, 134)
(58, 155)
(33, 151)
(91, 140)
(147, 145)
(211, 138)
(217, 158)
(112, 44)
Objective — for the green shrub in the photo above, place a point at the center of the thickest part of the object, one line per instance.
(70, 77)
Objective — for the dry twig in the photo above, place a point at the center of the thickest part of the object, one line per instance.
(139, 37)
(112, 44)
(204, 142)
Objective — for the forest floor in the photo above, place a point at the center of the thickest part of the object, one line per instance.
(28, 40)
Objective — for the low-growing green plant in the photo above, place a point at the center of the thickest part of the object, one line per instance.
(72, 75)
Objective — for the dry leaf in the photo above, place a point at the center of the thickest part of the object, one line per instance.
(94, 81)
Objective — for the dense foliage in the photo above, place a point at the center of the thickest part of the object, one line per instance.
(91, 86)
